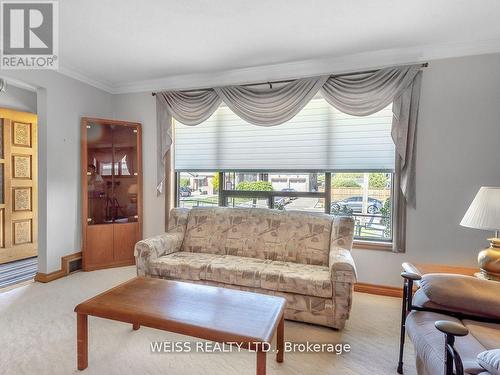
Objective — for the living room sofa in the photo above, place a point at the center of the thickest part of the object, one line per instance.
(303, 257)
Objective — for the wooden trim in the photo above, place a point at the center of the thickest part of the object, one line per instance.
(380, 290)
(47, 277)
(443, 268)
(18, 116)
(139, 176)
(112, 122)
(372, 245)
(64, 271)
(391, 291)
(119, 263)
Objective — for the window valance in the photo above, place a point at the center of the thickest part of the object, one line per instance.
(355, 94)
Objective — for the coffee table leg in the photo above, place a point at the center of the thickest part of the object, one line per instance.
(280, 339)
(261, 362)
(82, 341)
(136, 326)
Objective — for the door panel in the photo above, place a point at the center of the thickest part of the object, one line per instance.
(125, 174)
(125, 237)
(99, 245)
(18, 186)
(99, 170)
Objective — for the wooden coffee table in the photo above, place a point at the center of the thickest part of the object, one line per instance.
(207, 312)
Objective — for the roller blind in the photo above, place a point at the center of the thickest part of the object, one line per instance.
(319, 138)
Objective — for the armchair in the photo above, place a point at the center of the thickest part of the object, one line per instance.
(471, 309)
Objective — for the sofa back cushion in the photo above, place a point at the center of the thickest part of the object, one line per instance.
(289, 236)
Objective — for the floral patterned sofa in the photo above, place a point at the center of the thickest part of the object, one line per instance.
(304, 257)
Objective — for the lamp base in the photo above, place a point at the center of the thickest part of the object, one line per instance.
(489, 260)
(486, 276)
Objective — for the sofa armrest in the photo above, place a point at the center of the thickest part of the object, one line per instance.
(151, 248)
(342, 267)
(341, 263)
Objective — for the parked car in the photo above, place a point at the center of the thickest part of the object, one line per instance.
(356, 205)
(290, 190)
(281, 200)
(184, 191)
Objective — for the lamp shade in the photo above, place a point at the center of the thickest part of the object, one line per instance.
(484, 211)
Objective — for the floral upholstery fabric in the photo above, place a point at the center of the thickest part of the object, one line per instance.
(303, 257)
(155, 247)
(182, 265)
(298, 237)
(302, 308)
(297, 278)
(177, 220)
(242, 271)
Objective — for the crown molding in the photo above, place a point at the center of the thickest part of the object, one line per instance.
(17, 83)
(291, 70)
(79, 76)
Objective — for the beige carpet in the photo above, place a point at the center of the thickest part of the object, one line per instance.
(37, 336)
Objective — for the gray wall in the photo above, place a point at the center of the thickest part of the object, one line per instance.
(61, 102)
(459, 129)
(18, 99)
(142, 108)
(457, 152)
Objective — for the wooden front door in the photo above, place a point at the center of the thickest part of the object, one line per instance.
(18, 185)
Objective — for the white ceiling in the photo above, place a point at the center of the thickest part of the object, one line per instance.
(125, 45)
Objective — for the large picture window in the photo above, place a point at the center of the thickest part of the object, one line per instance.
(367, 197)
(322, 160)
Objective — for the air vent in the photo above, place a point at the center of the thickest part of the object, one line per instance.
(74, 265)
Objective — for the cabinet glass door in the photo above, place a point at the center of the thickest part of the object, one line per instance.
(99, 173)
(125, 171)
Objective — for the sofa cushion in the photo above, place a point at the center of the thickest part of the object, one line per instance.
(255, 273)
(236, 270)
(288, 236)
(182, 265)
(464, 294)
(429, 343)
(488, 334)
(297, 278)
(490, 360)
(206, 231)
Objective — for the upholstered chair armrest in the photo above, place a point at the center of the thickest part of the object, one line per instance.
(341, 263)
(452, 362)
(151, 248)
(451, 328)
(342, 267)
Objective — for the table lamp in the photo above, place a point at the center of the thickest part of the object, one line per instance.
(484, 213)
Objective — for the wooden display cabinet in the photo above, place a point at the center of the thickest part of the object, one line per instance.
(111, 192)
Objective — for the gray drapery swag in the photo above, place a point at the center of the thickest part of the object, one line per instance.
(356, 94)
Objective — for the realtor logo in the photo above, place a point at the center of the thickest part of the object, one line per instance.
(29, 37)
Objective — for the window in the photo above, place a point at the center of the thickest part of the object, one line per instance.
(367, 198)
(195, 189)
(322, 160)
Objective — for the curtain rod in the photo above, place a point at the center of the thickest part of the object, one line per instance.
(271, 83)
